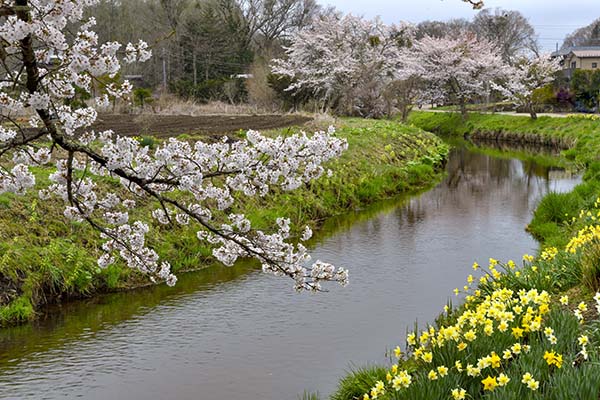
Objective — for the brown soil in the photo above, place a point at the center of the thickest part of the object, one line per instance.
(8, 290)
(174, 125)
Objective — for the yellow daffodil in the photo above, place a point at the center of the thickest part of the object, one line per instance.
(495, 360)
(442, 371)
(489, 383)
(553, 359)
(503, 380)
(470, 335)
(459, 394)
(432, 375)
(427, 357)
(517, 332)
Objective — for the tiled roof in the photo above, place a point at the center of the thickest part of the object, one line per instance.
(586, 53)
(565, 51)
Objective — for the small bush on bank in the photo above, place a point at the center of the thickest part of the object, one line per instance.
(358, 382)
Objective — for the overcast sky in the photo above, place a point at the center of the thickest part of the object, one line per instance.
(552, 19)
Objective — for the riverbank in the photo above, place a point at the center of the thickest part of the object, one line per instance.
(527, 329)
(46, 260)
(579, 133)
(578, 137)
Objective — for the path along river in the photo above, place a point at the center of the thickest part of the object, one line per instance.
(237, 334)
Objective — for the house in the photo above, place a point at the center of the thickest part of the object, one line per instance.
(581, 57)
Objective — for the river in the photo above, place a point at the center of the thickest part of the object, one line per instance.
(237, 334)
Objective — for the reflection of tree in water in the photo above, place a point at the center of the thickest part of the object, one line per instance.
(518, 147)
(485, 184)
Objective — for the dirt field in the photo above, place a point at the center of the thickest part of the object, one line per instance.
(173, 125)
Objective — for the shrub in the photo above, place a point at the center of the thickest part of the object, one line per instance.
(19, 310)
(358, 382)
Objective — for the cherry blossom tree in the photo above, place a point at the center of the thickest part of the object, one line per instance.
(408, 83)
(458, 69)
(526, 76)
(346, 61)
(47, 53)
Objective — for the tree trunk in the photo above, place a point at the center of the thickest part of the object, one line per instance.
(463, 110)
(405, 111)
(532, 112)
(195, 68)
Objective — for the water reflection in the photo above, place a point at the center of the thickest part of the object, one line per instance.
(234, 333)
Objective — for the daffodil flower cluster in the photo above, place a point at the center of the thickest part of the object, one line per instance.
(516, 314)
(190, 183)
(584, 236)
(590, 232)
(552, 358)
(500, 331)
(530, 381)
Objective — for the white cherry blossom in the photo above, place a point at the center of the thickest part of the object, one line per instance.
(192, 184)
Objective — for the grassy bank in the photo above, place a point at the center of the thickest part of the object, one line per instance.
(45, 259)
(527, 329)
(580, 134)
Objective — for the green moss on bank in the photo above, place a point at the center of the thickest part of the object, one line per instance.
(44, 258)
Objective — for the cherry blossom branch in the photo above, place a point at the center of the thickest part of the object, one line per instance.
(204, 177)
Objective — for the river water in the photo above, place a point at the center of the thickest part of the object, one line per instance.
(236, 334)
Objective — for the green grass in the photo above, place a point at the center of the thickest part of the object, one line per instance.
(18, 311)
(582, 134)
(357, 382)
(309, 396)
(45, 258)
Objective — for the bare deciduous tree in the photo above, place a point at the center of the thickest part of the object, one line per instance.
(439, 29)
(510, 30)
(587, 35)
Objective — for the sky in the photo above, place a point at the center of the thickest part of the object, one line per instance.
(552, 19)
